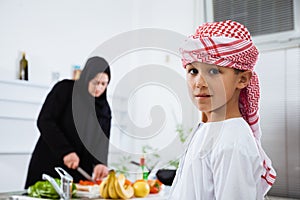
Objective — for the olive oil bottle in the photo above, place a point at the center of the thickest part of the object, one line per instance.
(23, 72)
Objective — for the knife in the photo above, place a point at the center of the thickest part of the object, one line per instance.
(85, 174)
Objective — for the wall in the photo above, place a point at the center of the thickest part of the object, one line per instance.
(57, 35)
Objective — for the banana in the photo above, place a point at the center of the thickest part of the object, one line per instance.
(104, 189)
(123, 191)
(111, 185)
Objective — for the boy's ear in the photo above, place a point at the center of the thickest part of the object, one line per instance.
(244, 79)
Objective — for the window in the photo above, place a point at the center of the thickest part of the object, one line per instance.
(263, 18)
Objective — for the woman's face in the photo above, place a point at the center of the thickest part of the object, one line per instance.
(98, 84)
(211, 87)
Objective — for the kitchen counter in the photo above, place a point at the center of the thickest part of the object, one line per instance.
(7, 195)
(17, 195)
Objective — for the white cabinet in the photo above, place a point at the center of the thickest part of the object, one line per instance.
(20, 103)
(279, 73)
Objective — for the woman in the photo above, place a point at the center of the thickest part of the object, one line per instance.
(74, 123)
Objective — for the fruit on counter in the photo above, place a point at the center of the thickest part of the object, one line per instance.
(114, 187)
(141, 188)
(44, 189)
(111, 185)
(155, 186)
(104, 188)
(123, 187)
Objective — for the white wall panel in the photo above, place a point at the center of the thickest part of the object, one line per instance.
(20, 103)
(271, 71)
(292, 120)
(17, 136)
(22, 91)
(19, 109)
(13, 171)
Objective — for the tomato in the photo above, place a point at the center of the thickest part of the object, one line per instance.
(86, 182)
(127, 182)
(155, 186)
(154, 190)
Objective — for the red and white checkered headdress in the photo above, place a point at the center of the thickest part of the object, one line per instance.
(229, 44)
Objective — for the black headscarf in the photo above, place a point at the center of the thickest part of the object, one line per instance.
(92, 115)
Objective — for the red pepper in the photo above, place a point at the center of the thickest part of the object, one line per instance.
(86, 182)
(155, 186)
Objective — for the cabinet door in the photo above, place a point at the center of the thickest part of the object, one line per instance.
(20, 103)
(271, 72)
(292, 120)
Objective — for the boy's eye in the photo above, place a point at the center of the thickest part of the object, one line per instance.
(193, 71)
(214, 71)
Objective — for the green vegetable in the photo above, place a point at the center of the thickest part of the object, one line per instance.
(44, 189)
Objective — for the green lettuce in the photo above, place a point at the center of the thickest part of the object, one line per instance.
(44, 189)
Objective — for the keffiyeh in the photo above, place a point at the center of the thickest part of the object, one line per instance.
(229, 44)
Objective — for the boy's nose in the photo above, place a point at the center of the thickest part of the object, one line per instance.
(200, 81)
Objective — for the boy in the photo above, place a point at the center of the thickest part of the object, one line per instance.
(224, 158)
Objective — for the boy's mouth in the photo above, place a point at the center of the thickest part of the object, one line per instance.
(203, 95)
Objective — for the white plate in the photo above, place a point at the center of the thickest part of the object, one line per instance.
(87, 194)
(92, 191)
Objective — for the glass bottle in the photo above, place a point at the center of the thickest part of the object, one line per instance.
(23, 72)
(143, 167)
(76, 72)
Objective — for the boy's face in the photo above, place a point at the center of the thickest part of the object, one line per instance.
(212, 87)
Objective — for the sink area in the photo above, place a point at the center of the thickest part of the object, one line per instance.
(7, 195)
(21, 197)
(17, 195)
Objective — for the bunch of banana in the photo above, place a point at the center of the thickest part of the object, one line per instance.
(114, 187)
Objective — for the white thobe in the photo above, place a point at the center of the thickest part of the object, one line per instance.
(221, 162)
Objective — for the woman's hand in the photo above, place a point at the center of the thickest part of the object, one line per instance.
(100, 171)
(71, 160)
